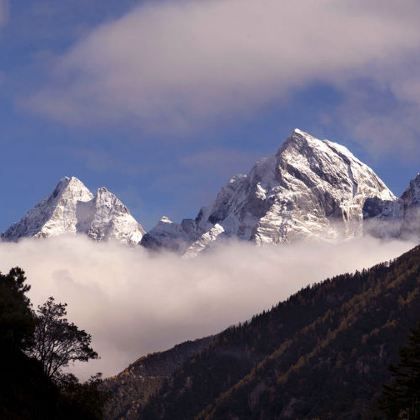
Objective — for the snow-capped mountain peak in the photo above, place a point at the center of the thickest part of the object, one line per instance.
(111, 219)
(308, 188)
(55, 215)
(68, 189)
(72, 208)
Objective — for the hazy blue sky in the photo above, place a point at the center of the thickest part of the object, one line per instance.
(163, 101)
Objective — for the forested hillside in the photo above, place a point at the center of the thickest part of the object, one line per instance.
(323, 353)
(131, 389)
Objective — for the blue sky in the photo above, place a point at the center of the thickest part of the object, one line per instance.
(163, 101)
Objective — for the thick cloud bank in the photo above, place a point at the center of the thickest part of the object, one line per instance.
(134, 303)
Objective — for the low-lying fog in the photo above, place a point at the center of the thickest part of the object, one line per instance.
(134, 303)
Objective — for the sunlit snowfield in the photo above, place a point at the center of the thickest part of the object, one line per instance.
(134, 303)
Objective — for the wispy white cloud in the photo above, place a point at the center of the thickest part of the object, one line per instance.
(171, 65)
(133, 303)
(381, 113)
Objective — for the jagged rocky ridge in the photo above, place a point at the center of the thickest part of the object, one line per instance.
(71, 209)
(395, 218)
(309, 188)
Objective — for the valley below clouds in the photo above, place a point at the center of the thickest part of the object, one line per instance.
(134, 302)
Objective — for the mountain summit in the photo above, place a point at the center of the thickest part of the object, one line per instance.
(309, 188)
(72, 208)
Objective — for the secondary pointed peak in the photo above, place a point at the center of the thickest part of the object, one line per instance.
(412, 193)
(104, 194)
(71, 208)
(104, 191)
(165, 219)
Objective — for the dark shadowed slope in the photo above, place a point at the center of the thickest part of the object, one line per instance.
(323, 353)
(132, 388)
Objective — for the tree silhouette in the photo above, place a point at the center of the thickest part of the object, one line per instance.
(16, 321)
(58, 342)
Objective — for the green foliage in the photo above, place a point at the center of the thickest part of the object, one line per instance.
(401, 397)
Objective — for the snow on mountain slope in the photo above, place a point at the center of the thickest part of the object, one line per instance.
(204, 241)
(310, 187)
(398, 218)
(55, 215)
(72, 208)
(108, 218)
